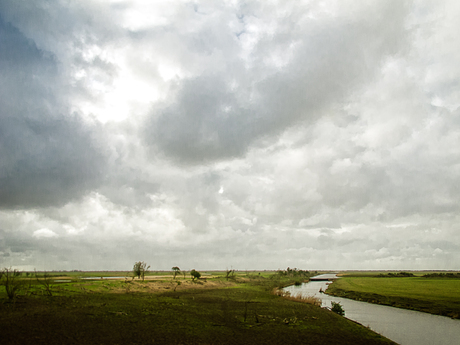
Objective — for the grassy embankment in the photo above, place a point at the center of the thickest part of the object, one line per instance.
(435, 295)
(215, 311)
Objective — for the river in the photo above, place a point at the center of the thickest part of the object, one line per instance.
(405, 327)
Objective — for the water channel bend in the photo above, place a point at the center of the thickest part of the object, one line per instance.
(405, 327)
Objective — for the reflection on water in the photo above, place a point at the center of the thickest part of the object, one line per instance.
(406, 327)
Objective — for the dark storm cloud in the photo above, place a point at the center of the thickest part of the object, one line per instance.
(291, 74)
(48, 155)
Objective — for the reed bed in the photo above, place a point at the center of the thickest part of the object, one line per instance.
(300, 298)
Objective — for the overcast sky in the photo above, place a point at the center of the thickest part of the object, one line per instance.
(215, 134)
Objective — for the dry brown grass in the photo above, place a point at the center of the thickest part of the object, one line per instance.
(153, 286)
(299, 298)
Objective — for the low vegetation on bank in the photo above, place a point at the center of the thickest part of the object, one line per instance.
(167, 308)
(433, 293)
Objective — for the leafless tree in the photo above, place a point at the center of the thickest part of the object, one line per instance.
(10, 279)
(46, 282)
(230, 274)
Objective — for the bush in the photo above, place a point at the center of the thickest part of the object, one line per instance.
(337, 308)
(195, 274)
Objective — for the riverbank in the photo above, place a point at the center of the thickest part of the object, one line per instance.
(216, 311)
(439, 296)
(405, 327)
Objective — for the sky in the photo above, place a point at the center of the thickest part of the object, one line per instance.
(322, 135)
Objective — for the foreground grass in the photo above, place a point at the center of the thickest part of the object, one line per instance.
(243, 311)
(439, 296)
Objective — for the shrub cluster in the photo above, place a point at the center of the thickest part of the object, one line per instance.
(396, 275)
(293, 272)
(442, 275)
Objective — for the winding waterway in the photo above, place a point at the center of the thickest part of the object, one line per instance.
(405, 327)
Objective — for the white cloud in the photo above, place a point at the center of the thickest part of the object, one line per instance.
(44, 233)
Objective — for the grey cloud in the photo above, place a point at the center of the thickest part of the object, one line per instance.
(49, 156)
(199, 125)
(221, 113)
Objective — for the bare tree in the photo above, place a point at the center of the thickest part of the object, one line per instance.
(10, 279)
(46, 282)
(140, 268)
(230, 274)
(176, 271)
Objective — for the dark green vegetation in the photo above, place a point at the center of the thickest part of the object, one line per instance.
(337, 308)
(140, 268)
(195, 274)
(442, 275)
(433, 293)
(242, 310)
(396, 275)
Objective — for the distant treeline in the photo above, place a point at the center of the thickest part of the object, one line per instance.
(442, 275)
(396, 275)
(428, 275)
(294, 272)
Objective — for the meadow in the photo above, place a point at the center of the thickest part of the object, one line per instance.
(436, 294)
(161, 310)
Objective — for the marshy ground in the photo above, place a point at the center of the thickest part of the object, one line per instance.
(160, 311)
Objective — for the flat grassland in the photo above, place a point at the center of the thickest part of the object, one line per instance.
(435, 295)
(242, 310)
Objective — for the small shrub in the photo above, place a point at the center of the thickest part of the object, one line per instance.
(337, 308)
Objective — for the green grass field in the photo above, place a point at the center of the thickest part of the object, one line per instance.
(161, 311)
(433, 295)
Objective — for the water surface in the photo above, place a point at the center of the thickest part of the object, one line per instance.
(405, 327)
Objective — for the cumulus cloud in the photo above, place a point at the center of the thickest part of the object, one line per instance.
(287, 74)
(321, 135)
